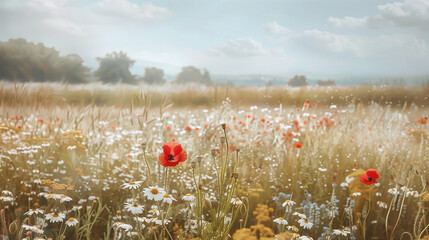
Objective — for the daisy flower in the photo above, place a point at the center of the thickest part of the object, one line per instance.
(34, 211)
(393, 191)
(414, 194)
(356, 194)
(292, 228)
(304, 238)
(154, 212)
(33, 228)
(124, 226)
(305, 223)
(71, 222)
(340, 232)
(134, 208)
(168, 199)
(288, 203)
(131, 185)
(280, 221)
(382, 204)
(55, 217)
(154, 193)
(188, 197)
(236, 201)
(301, 215)
(65, 198)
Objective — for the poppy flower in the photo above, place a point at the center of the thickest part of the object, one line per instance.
(422, 120)
(172, 155)
(298, 145)
(370, 177)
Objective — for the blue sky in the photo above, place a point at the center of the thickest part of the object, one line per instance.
(321, 39)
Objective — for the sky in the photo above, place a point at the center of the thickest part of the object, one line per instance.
(317, 38)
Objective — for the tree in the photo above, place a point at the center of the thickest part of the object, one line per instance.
(153, 76)
(298, 81)
(193, 74)
(323, 83)
(115, 67)
(25, 61)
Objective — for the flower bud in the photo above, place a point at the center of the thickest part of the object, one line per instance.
(213, 152)
(223, 126)
(193, 164)
(143, 146)
(222, 140)
(234, 175)
(199, 159)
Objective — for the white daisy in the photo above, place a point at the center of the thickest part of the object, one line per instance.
(340, 232)
(393, 191)
(55, 217)
(168, 199)
(38, 181)
(288, 203)
(304, 238)
(134, 208)
(280, 221)
(154, 212)
(188, 197)
(301, 215)
(356, 194)
(132, 185)
(292, 228)
(305, 223)
(236, 201)
(71, 222)
(414, 194)
(154, 193)
(33, 228)
(382, 204)
(65, 198)
(34, 211)
(121, 225)
(6, 192)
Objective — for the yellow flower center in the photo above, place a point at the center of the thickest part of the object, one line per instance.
(280, 218)
(135, 205)
(166, 196)
(132, 183)
(71, 219)
(188, 195)
(54, 214)
(154, 191)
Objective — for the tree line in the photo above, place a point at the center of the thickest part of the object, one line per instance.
(24, 61)
(28, 62)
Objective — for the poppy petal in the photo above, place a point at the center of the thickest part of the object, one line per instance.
(177, 150)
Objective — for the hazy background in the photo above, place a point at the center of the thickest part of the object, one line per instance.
(348, 41)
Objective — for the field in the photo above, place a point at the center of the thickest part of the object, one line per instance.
(104, 162)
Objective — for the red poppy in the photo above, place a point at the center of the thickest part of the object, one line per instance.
(172, 155)
(298, 145)
(422, 120)
(370, 177)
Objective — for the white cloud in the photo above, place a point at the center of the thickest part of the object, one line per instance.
(410, 13)
(383, 46)
(61, 25)
(240, 47)
(122, 9)
(275, 28)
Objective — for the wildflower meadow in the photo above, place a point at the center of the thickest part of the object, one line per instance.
(315, 168)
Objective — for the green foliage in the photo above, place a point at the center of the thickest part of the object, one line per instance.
(25, 61)
(298, 81)
(115, 67)
(153, 76)
(193, 74)
(325, 83)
